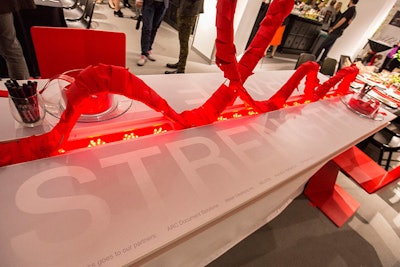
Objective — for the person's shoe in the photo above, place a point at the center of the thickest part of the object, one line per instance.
(173, 72)
(172, 66)
(150, 57)
(118, 13)
(126, 4)
(142, 61)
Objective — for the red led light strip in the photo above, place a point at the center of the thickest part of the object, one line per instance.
(124, 135)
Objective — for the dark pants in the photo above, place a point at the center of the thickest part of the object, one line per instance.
(11, 50)
(385, 64)
(327, 45)
(152, 17)
(185, 27)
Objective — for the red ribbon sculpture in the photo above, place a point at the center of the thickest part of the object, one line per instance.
(117, 80)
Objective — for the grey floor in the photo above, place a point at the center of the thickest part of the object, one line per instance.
(301, 235)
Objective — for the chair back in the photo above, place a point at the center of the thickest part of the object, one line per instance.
(76, 13)
(387, 140)
(61, 49)
(342, 61)
(87, 17)
(84, 19)
(304, 57)
(69, 4)
(328, 66)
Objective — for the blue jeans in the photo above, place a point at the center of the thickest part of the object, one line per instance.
(152, 17)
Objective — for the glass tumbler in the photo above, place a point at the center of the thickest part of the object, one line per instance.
(29, 111)
(364, 105)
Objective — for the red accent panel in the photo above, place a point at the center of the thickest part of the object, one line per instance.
(364, 170)
(3, 93)
(330, 198)
(61, 49)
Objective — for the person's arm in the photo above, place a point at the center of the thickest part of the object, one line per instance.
(337, 25)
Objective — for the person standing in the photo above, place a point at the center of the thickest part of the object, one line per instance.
(153, 12)
(276, 41)
(187, 14)
(115, 4)
(329, 15)
(337, 30)
(338, 10)
(389, 57)
(10, 48)
(127, 4)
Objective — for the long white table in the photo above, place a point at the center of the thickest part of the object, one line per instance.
(177, 199)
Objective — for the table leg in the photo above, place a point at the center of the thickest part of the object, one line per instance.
(330, 198)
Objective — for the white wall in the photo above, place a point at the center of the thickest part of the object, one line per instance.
(205, 34)
(370, 15)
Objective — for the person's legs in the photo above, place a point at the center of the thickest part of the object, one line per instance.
(274, 48)
(127, 4)
(185, 26)
(117, 9)
(266, 50)
(11, 49)
(385, 63)
(147, 26)
(327, 45)
(158, 15)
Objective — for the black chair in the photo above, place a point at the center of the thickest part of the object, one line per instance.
(328, 66)
(76, 12)
(86, 20)
(69, 4)
(387, 140)
(342, 61)
(304, 57)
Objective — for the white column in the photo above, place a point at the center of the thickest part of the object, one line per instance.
(205, 33)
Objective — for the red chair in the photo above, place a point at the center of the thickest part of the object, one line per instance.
(61, 49)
